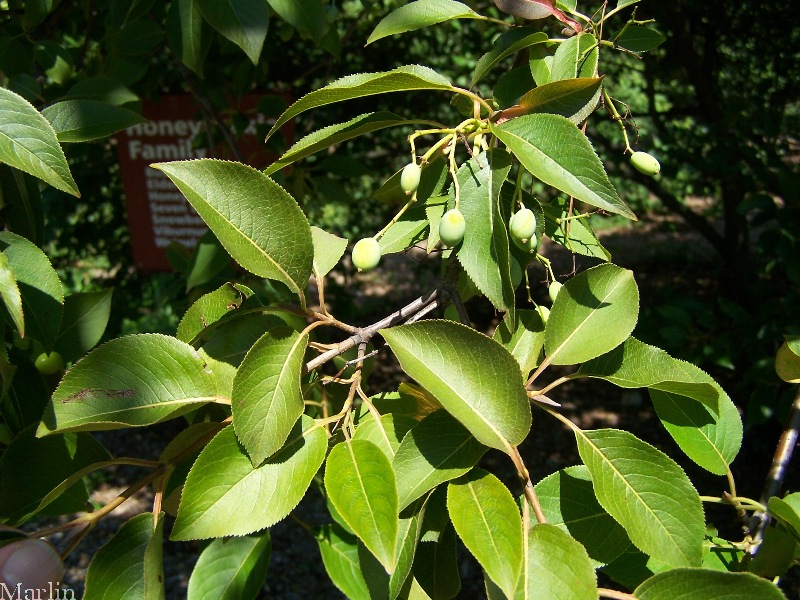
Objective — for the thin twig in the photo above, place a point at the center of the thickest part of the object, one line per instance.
(777, 471)
(527, 484)
(366, 333)
(614, 594)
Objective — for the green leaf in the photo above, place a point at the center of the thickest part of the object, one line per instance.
(487, 520)
(380, 583)
(438, 449)
(257, 221)
(25, 393)
(185, 34)
(436, 565)
(419, 14)
(225, 495)
(471, 375)
(129, 567)
(386, 433)
(230, 338)
(138, 38)
(328, 251)
(575, 235)
(335, 134)
(522, 334)
(85, 120)
(508, 43)
(632, 567)
(568, 501)
(39, 285)
(28, 143)
(701, 584)
(539, 65)
(709, 433)
(104, 391)
(307, 16)
(22, 204)
(574, 99)
(712, 441)
(623, 3)
(43, 464)
(243, 22)
(555, 567)
(102, 89)
(432, 184)
(55, 60)
(339, 550)
(635, 364)
(361, 485)
(647, 493)
(555, 151)
(11, 296)
(775, 557)
(231, 569)
(208, 259)
(787, 511)
(575, 57)
(266, 397)
(639, 38)
(409, 230)
(593, 313)
(484, 252)
(412, 77)
(210, 308)
(84, 322)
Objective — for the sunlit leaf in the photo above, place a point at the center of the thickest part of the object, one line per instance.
(255, 219)
(419, 14)
(129, 567)
(335, 134)
(243, 22)
(471, 375)
(412, 77)
(103, 391)
(84, 120)
(487, 520)
(594, 312)
(484, 252)
(664, 521)
(225, 495)
(555, 567)
(231, 569)
(555, 151)
(266, 396)
(38, 284)
(438, 449)
(361, 485)
(701, 584)
(28, 143)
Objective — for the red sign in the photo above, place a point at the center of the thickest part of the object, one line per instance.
(158, 213)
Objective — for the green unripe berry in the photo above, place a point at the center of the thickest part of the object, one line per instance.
(409, 178)
(49, 364)
(452, 227)
(522, 225)
(553, 290)
(544, 312)
(366, 254)
(645, 163)
(528, 245)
